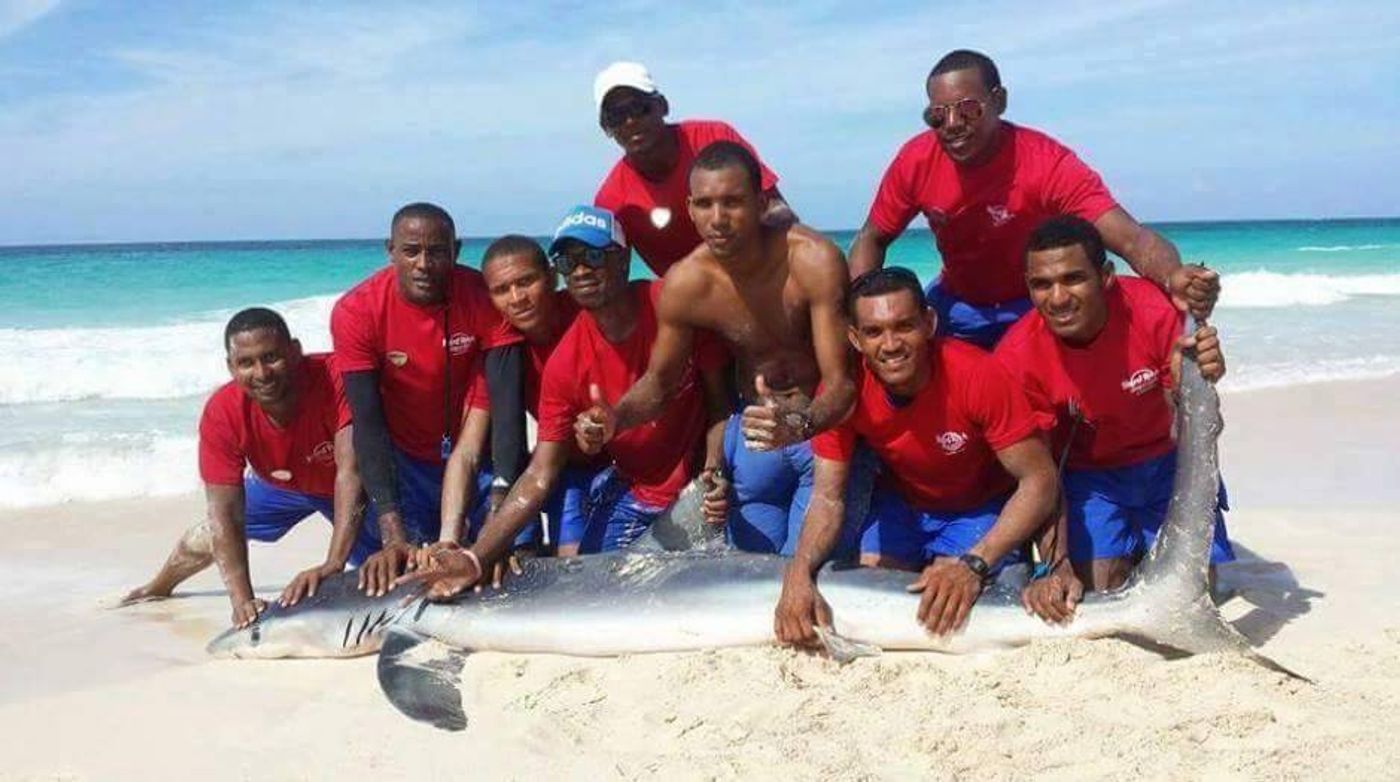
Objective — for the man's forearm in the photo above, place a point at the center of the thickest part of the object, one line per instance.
(867, 252)
(231, 551)
(373, 448)
(1023, 514)
(505, 382)
(832, 404)
(1152, 256)
(643, 402)
(349, 512)
(826, 510)
(458, 484)
(521, 505)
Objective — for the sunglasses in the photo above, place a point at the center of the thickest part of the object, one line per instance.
(619, 113)
(969, 110)
(592, 257)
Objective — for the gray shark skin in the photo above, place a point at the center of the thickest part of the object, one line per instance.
(658, 601)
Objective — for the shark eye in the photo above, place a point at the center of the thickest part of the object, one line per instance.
(256, 635)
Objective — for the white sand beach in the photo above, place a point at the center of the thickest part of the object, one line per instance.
(1314, 475)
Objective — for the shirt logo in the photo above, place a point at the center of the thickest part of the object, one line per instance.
(1141, 381)
(324, 453)
(281, 475)
(460, 343)
(660, 217)
(952, 442)
(1000, 215)
(397, 357)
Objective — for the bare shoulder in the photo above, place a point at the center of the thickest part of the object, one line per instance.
(815, 261)
(685, 285)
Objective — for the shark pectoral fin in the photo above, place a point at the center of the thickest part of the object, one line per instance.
(420, 676)
(842, 649)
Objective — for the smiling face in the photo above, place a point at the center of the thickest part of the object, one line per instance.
(892, 333)
(523, 291)
(1067, 290)
(957, 96)
(263, 363)
(422, 251)
(634, 119)
(725, 209)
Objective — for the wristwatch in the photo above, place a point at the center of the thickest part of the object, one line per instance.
(977, 565)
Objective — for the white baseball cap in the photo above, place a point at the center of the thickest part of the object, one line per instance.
(622, 74)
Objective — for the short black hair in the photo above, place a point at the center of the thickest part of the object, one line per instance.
(963, 59)
(255, 319)
(723, 154)
(1066, 231)
(423, 211)
(516, 244)
(878, 282)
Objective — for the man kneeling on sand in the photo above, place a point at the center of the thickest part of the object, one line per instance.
(274, 448)
(1099, 357)
(971, 478)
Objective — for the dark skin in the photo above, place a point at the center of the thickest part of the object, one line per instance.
(892, 334)
(970, 144)
(1069, 291)
(776, 298)
(653, 147)
(422, 252)
(446, 570)
(265, 367)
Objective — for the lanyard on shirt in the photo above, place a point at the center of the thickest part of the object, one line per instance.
(447, 372)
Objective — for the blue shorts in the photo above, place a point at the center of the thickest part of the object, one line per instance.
(613, 517)
(420, 501)
(565, 508)
(771, 490)
(981, 325)
(269, 512)
(1116, 513)
(915, 537)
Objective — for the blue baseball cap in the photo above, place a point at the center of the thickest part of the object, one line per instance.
(591, 225)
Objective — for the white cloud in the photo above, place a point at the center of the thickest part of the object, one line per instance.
(15, 15)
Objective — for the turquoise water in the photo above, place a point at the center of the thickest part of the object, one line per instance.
(106, 352)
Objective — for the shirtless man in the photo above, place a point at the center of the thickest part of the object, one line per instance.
(776, 297)
(284, 416)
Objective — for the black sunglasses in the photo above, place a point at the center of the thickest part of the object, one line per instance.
(619, 113)
(568, 260)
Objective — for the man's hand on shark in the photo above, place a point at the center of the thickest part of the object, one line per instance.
(378, 573)
(306, 583)
(800, 610)
(1054, 597)
(444, 570)
(949, 589)
(246, 612)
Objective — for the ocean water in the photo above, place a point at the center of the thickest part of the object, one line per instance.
(107, 352)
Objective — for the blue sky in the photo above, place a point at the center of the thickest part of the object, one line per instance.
(166, 121)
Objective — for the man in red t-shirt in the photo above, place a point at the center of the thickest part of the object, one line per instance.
(970, 479)
(600, 356)
(983, 184)
(409, 342)
(647, 188)
(274, 447)
(1098, 358)
(522, 285)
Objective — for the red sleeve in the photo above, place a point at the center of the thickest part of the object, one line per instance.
(558, 387)
(352, 335)
(836, 444)
(1015, 362)
(995, 400)
(221, 460)
(609, 194)
(1071, 187)
(895, 201)
(478, 397)
(726, 132)
(343, 418)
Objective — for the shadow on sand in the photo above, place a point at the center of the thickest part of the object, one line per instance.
(1270, 589)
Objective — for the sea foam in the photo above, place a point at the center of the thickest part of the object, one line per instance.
(1259, 289)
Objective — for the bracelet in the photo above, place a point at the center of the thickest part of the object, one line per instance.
(475, 561)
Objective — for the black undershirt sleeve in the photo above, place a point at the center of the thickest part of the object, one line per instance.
(505, 381)
(372, 445)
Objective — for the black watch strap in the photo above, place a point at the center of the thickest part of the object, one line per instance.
(977, 565)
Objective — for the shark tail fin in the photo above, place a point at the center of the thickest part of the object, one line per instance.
(421, 677)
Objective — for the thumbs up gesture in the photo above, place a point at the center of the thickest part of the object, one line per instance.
(769, 425)
(594, 427)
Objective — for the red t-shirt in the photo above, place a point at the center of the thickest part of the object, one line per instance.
(538, 354)
(983, 215)
(235, 433)
(375, 328)
(939, 448)
(1116, 382)
(654, 214)
(657, 458)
